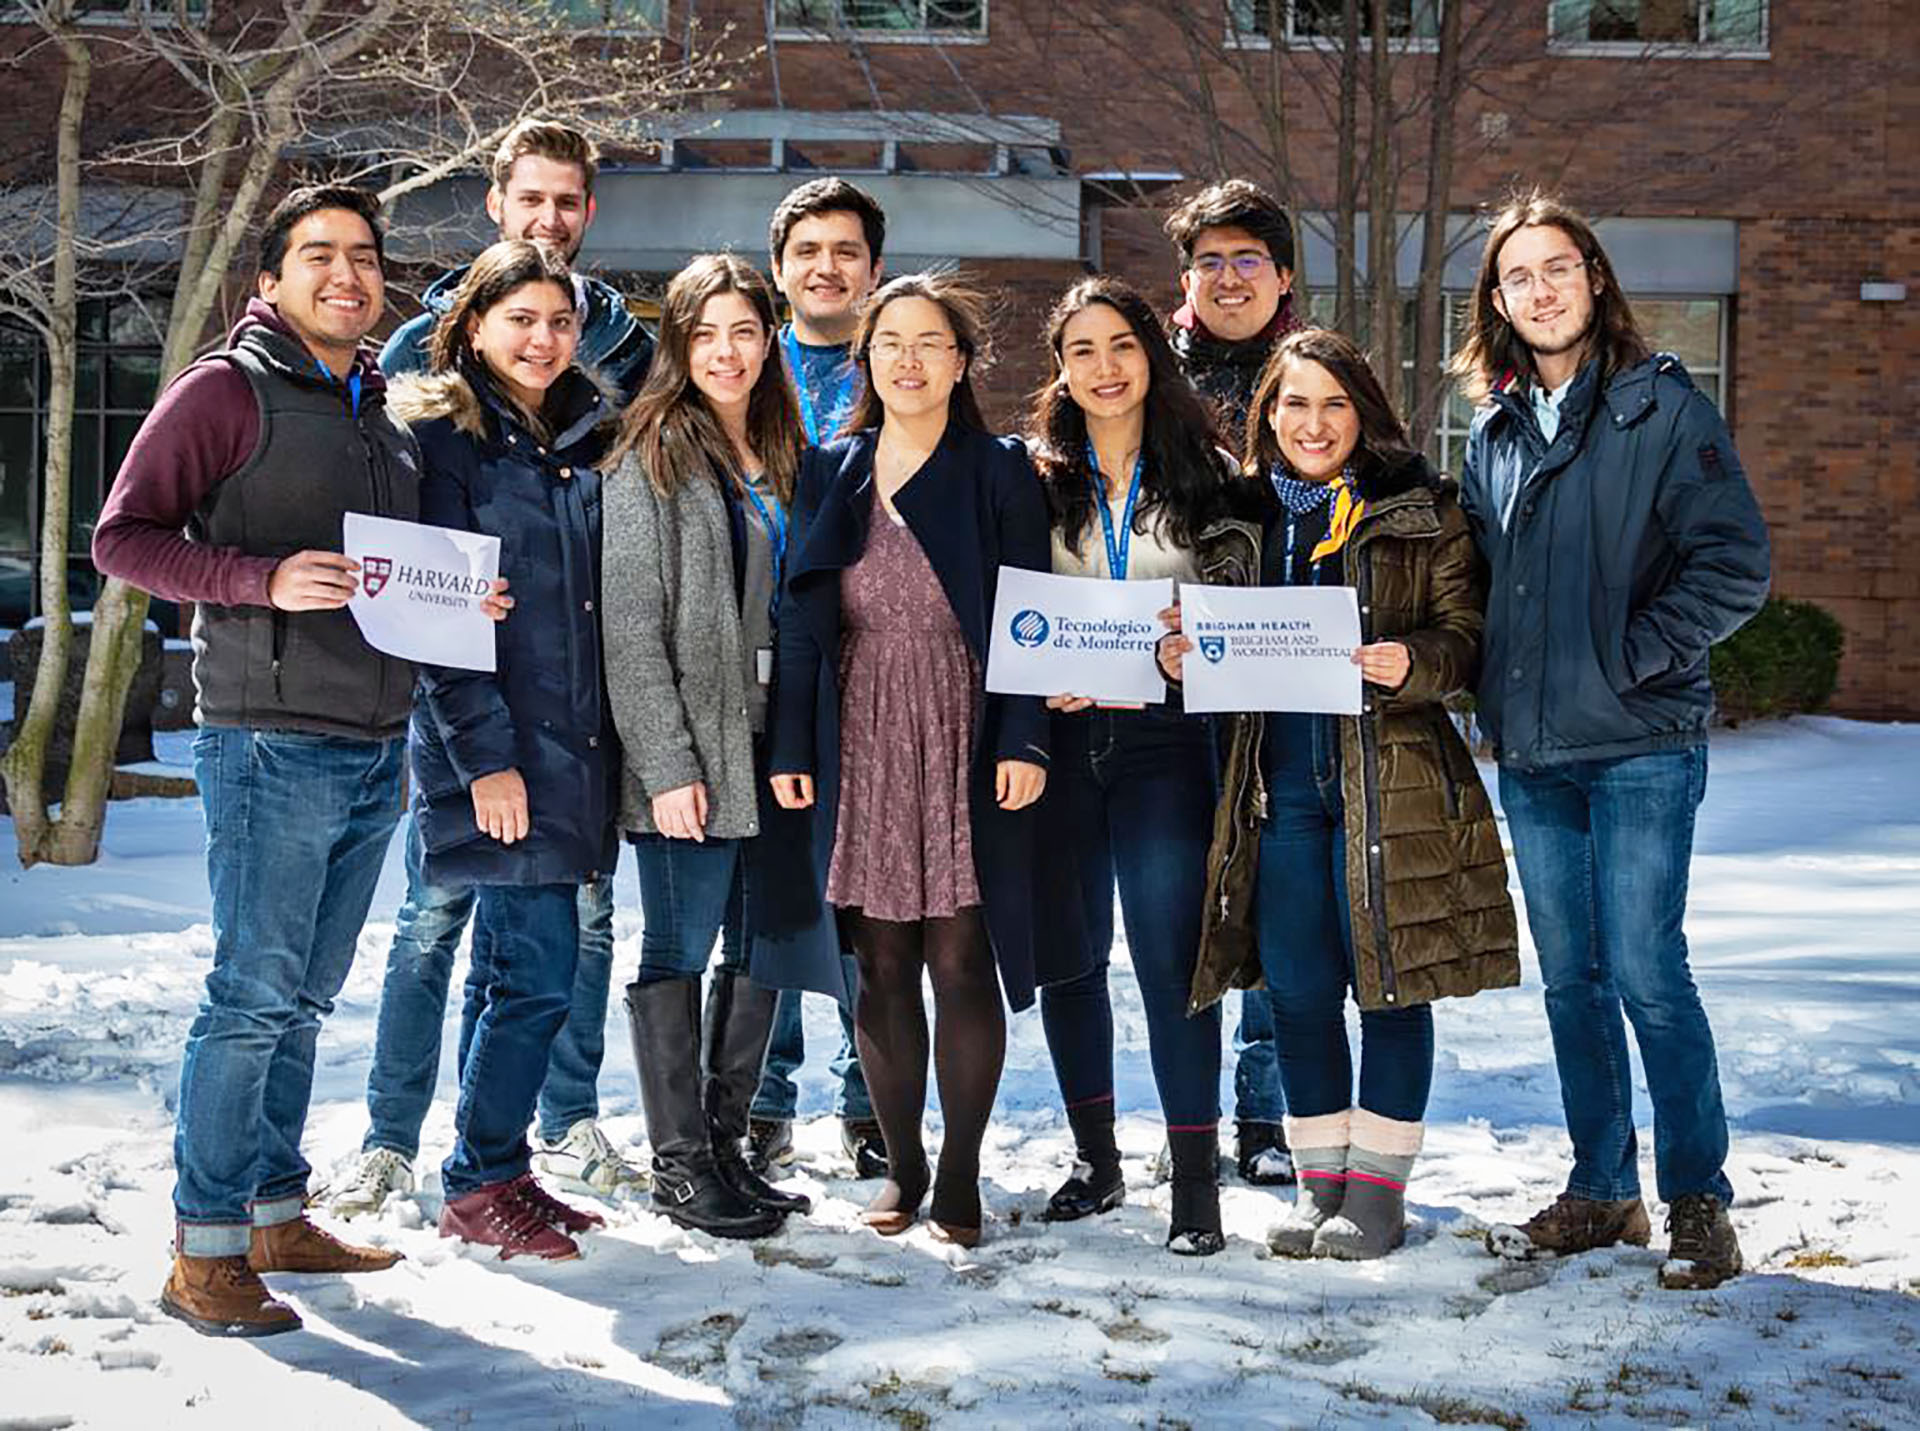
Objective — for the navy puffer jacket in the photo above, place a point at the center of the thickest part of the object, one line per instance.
(1631, 543)
(543, 710)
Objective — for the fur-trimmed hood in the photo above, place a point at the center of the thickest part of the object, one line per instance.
(578, 403)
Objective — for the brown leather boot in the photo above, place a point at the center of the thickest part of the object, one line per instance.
(223, 1297)
(299, 1246)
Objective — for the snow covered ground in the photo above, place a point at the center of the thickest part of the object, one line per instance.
(1806, 935)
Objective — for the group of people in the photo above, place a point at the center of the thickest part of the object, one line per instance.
(749, 572)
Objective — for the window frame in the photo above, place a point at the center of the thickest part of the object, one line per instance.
(807, 35)
(1695, 49)
(608, 27)
(1239, 39)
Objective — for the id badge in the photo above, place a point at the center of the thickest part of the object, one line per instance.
(763, 665)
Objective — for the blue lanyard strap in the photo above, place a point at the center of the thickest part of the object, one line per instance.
(773, 518)
(1117, 545)
(353, 383)
(809, 413)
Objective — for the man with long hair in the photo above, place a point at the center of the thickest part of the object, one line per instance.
(1605, 494)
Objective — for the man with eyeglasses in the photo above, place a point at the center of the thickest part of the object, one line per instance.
(1624, 541)
(1236, 249)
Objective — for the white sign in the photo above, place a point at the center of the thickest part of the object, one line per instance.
(1271, 648)
(1077, 636)
(420, 590)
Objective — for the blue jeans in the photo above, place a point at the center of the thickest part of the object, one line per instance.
(1304, 920)
(779, 1095)
(1132, 801)
(526, 941)
(413, 1010)
(1258, 1096)
(297, 829)
(1604, 849)
(690, 892)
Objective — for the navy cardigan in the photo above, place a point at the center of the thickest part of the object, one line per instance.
(974, 507)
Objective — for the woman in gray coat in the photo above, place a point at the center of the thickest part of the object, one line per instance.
(695, 539)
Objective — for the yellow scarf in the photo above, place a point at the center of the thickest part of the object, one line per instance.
(1348, 509)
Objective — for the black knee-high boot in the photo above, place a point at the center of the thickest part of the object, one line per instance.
(1195, 1228)
(664, 1018)
(739, 1023)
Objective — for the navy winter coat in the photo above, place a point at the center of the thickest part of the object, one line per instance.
(1634, 543)
(974, 507)
(543, 710)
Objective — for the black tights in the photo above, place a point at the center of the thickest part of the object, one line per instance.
(969, 1048)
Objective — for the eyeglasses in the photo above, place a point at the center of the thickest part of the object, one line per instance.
(921, 350)
(1248, 265)
(1556, 275)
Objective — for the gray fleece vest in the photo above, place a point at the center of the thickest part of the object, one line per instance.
(315, 461)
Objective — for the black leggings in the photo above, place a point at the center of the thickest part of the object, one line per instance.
(969, 1048)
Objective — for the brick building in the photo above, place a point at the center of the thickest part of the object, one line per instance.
(1746, 155)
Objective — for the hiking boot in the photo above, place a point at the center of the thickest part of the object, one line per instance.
(586, 1158)
(223, 1297)
(502, 1215)
(860, 1140)
(1573, 1224)
(299, 1246)
(562, 1215)
(1705, 1250)
(382, 1174)
(1261, 1155)
(770, 1144)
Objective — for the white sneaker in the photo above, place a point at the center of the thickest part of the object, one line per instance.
(381, 1174)
(587, 1158)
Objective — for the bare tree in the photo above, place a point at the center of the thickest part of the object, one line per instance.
(398, 95)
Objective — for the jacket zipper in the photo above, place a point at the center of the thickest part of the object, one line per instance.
(1370, 784)
(279, 644)
(1446, 765)
(382, 506)
(1255, 725)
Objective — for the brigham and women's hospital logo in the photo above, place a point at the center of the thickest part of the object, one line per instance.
(1214, 648)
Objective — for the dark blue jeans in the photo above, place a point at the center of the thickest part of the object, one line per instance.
(526, 941)
(1132, 799)
(1604, 849)
(1306, 942)
(297, 829)
(413, 1011)
(1258, 1096)
(690, 893)
(779, 1095)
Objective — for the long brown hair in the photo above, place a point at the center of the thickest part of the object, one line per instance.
(677, 436)
(966, 314)
(1493, 349)
(1182, 473)
(1383, 437)
(500, 268)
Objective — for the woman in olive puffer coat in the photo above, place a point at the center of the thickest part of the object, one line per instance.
(1354, 851)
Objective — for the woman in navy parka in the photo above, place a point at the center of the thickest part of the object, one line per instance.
(510, 767)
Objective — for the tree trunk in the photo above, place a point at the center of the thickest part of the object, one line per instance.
(1382, 224)
(24, 765)
(1430, 302)
(1346, 302)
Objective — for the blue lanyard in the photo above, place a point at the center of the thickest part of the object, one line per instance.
(809, 414)
(774, 519)
(1116, 546)
(353, 383)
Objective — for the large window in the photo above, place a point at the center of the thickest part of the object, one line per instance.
(1635, 26)
(118, 370)
(882, 19)
(1319, 22)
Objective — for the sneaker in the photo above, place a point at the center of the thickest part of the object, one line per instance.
(769, 1143)
(297, 1245)
(1261, 1155)
(382, 1173)
(564, 1216)
(1705, 1250)
(223, 1297)
(1573, 1224)
(861, 1141)
(502, 1215)
(586, 1158)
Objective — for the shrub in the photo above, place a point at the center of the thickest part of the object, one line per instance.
(1785, 661)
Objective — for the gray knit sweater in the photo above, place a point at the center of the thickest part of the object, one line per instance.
(676, 673)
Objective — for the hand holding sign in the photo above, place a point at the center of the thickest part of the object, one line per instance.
(425, 593)
(1278, 648)
(1055, 635)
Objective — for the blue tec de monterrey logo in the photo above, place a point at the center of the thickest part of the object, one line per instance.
(1030, 628)
(1214, 648)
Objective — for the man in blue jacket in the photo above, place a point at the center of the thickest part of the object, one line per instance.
(542, 190)
(1624, 541)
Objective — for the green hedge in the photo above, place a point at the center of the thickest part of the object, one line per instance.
(1785, 661)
